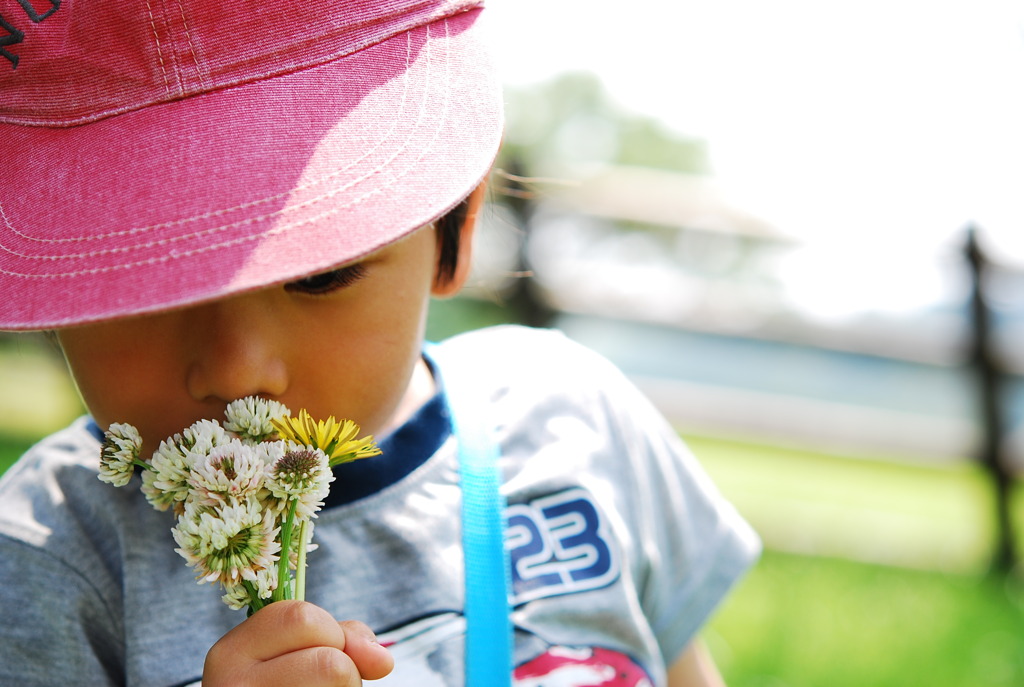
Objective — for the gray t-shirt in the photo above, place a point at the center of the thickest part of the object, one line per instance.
(620, 546)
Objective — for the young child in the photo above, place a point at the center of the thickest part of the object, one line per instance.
(207, 201)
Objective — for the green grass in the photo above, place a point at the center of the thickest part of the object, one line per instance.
(817, 622)
(883, 511)
(10, 449)
(36, 394)
(832, 615)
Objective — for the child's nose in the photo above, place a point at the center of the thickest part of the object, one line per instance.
(236, 351)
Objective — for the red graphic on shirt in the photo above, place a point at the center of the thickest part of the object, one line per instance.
(560, 666)
(584, 667)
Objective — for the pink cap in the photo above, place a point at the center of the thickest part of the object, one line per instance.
(160, 153)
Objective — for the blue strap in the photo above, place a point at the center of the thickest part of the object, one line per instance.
(488, 625)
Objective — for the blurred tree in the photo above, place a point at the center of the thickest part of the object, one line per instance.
(568, 140)
(573, 121)
(558, 131)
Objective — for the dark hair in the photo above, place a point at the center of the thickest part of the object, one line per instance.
(449, 230)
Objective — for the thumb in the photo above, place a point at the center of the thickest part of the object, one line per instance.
(372, 659)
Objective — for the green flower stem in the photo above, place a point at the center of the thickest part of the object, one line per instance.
(283, 575)
(256, 603)
(300, 569)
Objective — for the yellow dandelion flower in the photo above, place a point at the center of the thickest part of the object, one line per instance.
(333, 437)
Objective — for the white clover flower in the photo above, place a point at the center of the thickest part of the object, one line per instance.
(266, 581)
(229, 471)
(250, 418)
(242, 595)
(121, 447)
(237, 597)
(167, 482)
(157, 497)
(227, 544)
(202, 436)
(271, 451)
(303, 473)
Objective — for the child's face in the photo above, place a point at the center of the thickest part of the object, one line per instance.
(345, 343)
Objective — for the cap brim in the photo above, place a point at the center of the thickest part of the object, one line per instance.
(244, 187)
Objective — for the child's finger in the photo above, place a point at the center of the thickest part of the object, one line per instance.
(277, 630)
(313, 667)
(287, 626)
(372, 659)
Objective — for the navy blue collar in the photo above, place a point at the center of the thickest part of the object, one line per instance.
(95, 430)
(402, 451)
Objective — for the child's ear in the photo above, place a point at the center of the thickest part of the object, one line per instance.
(445, 288)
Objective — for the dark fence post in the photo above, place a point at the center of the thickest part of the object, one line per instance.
(990, 378)
(527, 306)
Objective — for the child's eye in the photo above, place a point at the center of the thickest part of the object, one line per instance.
(327, 282)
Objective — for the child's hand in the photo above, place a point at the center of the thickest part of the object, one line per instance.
(296, 643)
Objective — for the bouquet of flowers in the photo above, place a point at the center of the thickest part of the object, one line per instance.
(244, 492)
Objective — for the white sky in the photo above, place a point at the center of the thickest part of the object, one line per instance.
(843, 123)
(886, 117)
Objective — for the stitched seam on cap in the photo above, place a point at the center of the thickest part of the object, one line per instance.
(110, 111)
(173, 58)
(159, 51)
(191, 46)
(242, 206)
(251, 237)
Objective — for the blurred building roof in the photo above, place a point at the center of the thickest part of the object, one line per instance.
(660, 197)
